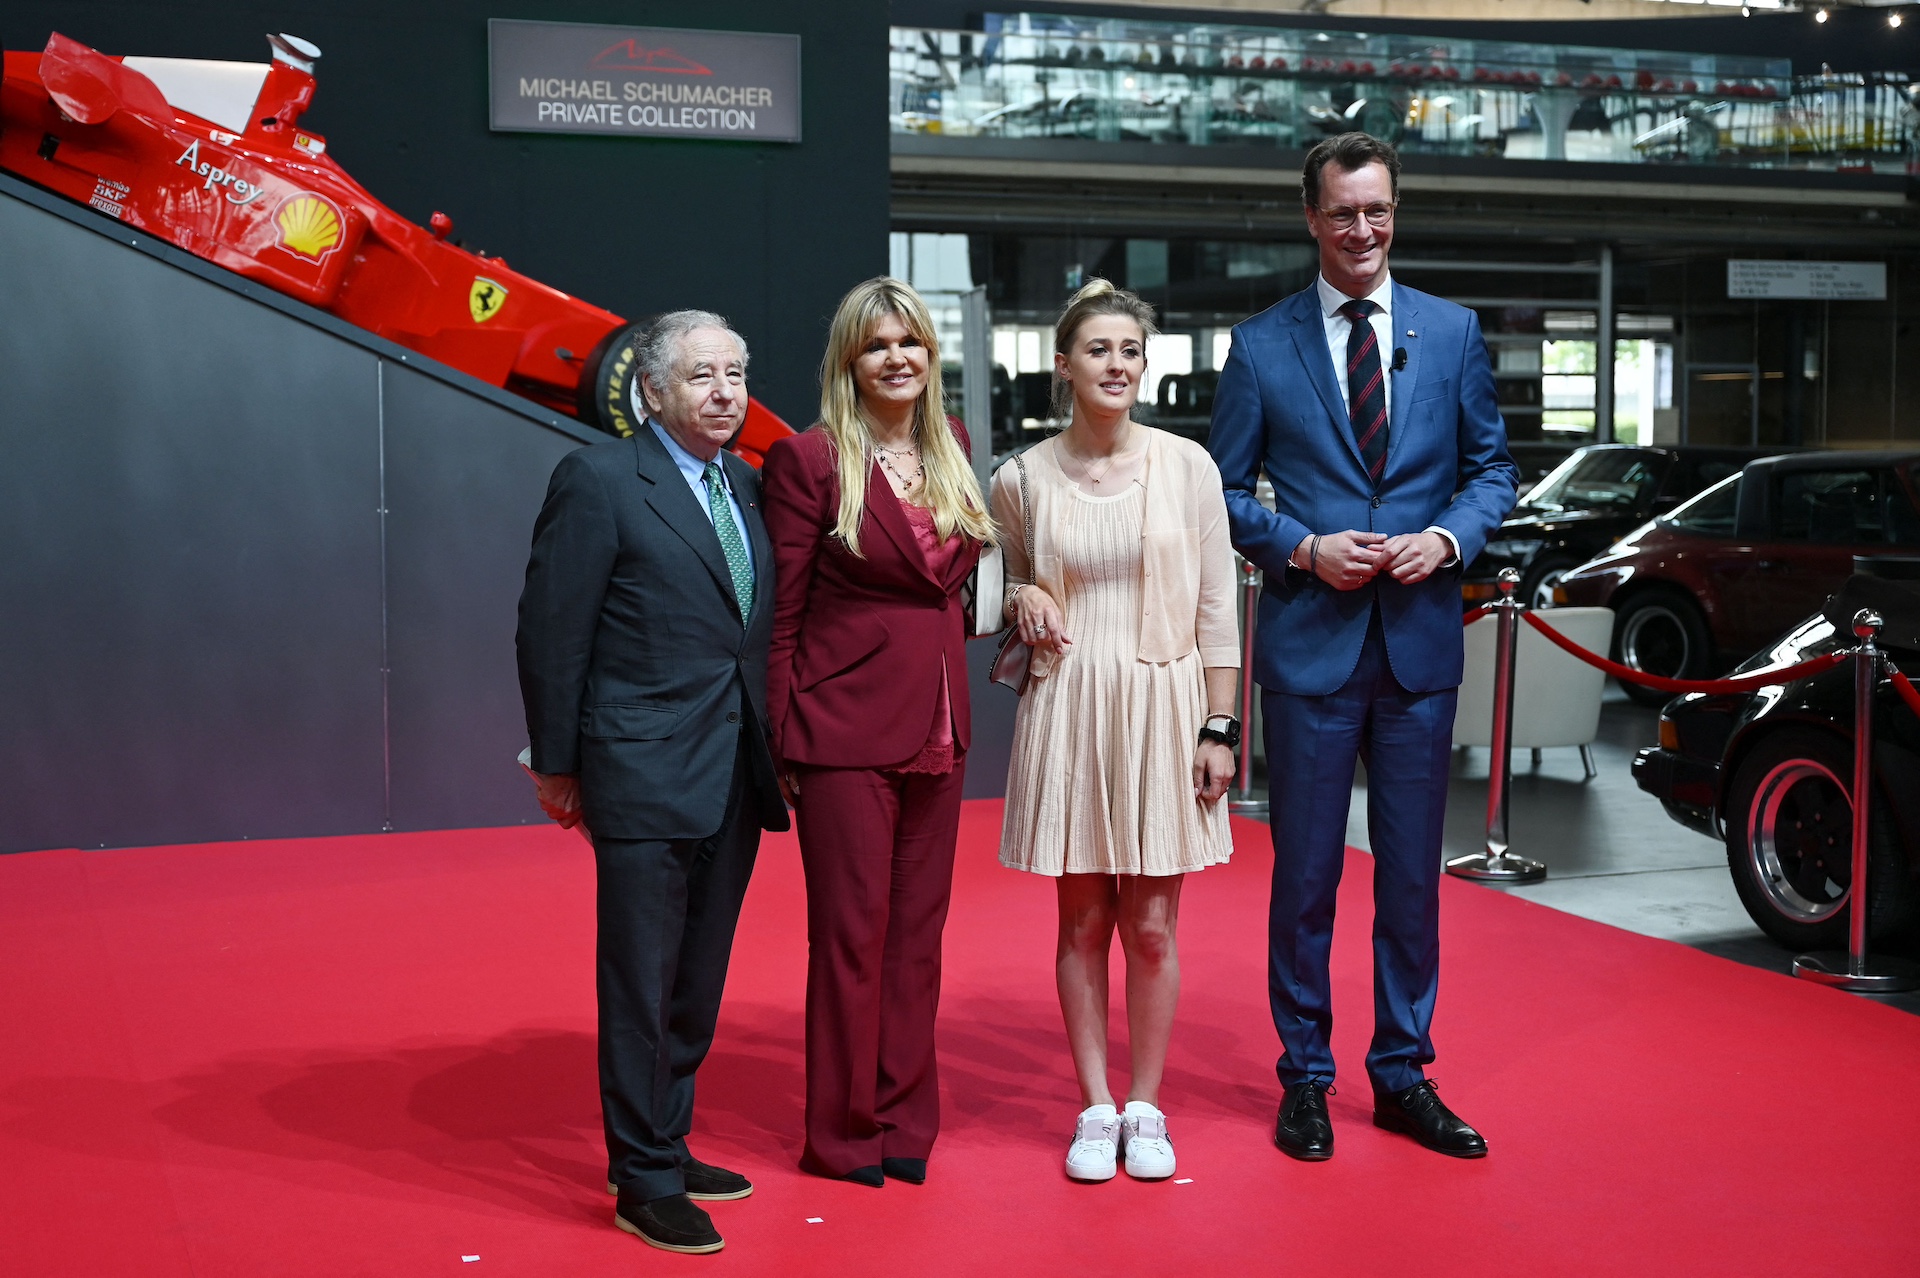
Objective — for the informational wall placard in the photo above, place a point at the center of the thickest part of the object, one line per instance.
(1819, 281)
(656, 82)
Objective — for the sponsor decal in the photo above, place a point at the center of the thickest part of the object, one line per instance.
(310, 145)
(309, 225)
(224, 138)
(485, 298)
(110, 197)
(236, 188)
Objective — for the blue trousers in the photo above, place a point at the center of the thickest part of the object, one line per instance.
(1312, 742)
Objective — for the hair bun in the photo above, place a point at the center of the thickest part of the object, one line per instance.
(1095, 287)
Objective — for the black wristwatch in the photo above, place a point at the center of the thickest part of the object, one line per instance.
(1228, 736)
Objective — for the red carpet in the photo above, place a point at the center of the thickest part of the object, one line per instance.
(375, 1056)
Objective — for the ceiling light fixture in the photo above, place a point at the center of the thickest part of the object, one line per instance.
(1820, 16)
(1893, 19)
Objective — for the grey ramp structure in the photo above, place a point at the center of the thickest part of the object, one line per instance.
(260, 567)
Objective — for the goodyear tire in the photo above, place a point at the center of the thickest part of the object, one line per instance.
(607, 398)
(1789, 825)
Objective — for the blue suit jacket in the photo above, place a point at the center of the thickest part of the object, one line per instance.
(1278, 409)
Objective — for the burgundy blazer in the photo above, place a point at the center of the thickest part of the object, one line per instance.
(853, 677)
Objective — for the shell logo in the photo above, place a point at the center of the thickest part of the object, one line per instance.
(309, 225)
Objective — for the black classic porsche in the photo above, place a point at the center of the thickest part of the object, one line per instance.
(1770, 773)
(1596, 496)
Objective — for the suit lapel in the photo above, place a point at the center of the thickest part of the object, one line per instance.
(674, 502)
(1406, 336)
(887, 513)
(1310, 341)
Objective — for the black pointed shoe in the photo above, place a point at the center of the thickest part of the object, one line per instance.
(1303, 1130)
(707, 1183)
(911, 1170)
(1418, 1112)
(672, 1223)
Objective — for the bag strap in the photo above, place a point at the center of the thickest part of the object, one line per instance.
(1026, 509)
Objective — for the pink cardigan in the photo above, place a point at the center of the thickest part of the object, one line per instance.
(1187, 559)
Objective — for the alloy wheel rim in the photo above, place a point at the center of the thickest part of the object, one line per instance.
(1544, 588)
(1800, 841)
(1655, 640)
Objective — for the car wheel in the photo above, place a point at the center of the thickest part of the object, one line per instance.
(1789, 821)
(1662, 633)
(606, 399)
(1536, 588)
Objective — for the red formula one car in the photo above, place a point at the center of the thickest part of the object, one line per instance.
(210, 156)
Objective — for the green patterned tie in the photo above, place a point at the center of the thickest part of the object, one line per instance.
(730, 544)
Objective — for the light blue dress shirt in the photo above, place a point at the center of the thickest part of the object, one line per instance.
(695, 472)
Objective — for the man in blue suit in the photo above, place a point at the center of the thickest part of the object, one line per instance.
(1371, 408)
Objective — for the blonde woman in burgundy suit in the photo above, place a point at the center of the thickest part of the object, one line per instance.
(876, 521)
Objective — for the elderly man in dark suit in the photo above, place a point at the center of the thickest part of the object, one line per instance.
(643, 639)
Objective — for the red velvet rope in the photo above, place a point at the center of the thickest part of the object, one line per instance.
(1745, 683)
(1904, 686)
(1469, 618)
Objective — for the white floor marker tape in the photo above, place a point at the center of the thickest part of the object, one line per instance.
(816, 1220)
(1184, 1180)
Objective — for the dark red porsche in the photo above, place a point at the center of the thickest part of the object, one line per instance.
(1702, 588)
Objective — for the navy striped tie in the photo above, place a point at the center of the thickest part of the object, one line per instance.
(1366, 389)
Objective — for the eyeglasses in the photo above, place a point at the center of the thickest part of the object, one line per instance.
(1343, 218)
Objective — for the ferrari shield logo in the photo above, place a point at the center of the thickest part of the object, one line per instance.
(485, 299)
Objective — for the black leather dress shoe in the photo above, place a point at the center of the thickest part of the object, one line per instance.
(707, 1183)
(672, 1223)
(1303, 1130)
(871, 1177)
(1418, 1112)
(911, 1170)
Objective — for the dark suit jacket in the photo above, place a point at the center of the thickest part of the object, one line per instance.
(634, 665)
(1278, 409)
(853, 679)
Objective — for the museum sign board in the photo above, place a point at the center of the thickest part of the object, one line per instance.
(657, 82)
(1815, 281)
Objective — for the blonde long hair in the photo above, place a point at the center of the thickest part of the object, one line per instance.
(953, 493)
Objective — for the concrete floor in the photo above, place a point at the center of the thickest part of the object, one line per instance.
(1613, 855)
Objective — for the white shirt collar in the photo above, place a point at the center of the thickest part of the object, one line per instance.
(1332, 299)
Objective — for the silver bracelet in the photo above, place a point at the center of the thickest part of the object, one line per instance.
(1013, 593)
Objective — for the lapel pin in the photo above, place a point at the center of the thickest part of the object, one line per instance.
(1411, 333)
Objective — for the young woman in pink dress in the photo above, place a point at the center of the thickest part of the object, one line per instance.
(1124, 741)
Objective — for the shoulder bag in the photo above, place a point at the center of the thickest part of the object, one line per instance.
(1012, 663)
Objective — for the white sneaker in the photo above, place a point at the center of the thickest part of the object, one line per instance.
(1096, 1144)
(1143, 1129)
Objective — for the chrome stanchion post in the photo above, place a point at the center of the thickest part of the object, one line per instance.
(1498, 864)
(1853, 970)
(1243, 803)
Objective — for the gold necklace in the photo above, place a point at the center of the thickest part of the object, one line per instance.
(1086, 471)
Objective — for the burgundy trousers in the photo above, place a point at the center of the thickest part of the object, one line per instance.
(878, 851)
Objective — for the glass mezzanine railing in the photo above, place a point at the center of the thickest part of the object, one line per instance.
(1111, 80)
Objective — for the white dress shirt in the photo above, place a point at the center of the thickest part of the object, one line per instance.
(695, 472)
(1339, 329)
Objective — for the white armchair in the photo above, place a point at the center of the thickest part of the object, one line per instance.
(1556, 696)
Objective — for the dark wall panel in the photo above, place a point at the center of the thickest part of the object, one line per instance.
(190, 588)
(464, 482)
